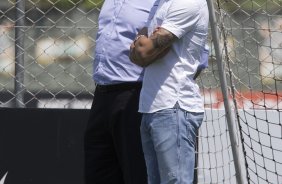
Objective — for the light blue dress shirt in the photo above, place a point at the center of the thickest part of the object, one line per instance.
(119, 22)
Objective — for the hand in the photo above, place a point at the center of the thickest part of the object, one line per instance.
(139, 50)
(146, 50)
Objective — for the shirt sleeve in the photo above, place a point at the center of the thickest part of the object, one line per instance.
(181, 17)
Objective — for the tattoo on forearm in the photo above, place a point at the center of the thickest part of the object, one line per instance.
(162, 39)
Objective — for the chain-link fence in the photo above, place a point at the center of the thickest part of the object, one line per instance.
(46, 53)
(46, 49)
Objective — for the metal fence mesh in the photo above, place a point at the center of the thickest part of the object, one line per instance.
(54, 53)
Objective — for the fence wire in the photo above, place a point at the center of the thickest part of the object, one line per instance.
(46, 53)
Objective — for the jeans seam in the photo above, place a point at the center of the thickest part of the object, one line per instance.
(188, 127)
(178, 142)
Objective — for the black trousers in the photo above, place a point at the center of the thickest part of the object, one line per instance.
(113, 149)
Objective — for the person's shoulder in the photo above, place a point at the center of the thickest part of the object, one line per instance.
(191, 5)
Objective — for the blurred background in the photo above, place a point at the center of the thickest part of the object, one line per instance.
(48, 64)
(55, 53)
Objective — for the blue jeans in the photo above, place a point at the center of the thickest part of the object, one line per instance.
(168, 140)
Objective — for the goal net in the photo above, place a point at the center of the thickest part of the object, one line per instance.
(251, 47)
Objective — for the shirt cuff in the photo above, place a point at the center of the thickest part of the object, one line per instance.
(173, 29)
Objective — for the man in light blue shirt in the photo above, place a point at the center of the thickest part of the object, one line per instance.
(113, 151)
(119, 22)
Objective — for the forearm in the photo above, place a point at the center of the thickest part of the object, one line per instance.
(142, 52)
(145, 50)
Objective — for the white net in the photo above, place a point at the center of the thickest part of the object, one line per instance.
(251, 43)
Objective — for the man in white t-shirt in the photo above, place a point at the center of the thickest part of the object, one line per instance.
(170, 50)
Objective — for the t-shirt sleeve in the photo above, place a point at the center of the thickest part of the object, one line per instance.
(181, 17)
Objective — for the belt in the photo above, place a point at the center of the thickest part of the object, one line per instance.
(119, 87)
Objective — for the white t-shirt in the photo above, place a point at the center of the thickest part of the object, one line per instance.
(170, 79)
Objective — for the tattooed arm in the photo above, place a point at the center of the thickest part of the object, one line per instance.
(145, 50)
